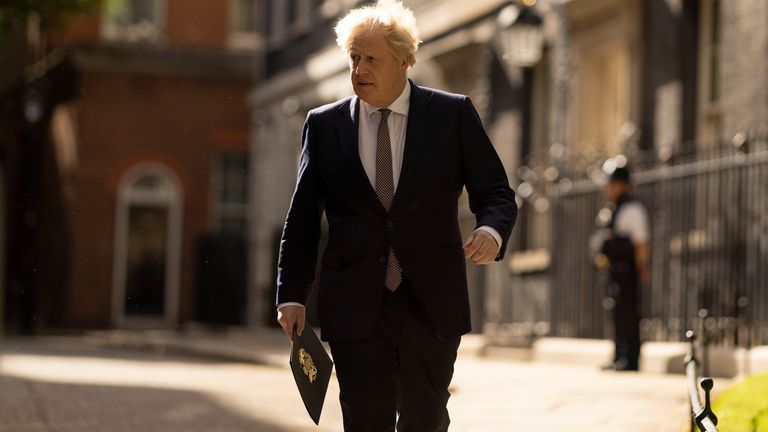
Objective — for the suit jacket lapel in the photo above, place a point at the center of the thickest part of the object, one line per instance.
(347, 128)
(416, 133)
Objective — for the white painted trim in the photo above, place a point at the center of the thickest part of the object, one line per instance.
(3, 240)
(708, 113)
(174, 203)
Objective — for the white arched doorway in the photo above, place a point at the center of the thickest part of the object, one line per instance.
(147, 246)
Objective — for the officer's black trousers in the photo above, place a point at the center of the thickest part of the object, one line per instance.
(626, 321)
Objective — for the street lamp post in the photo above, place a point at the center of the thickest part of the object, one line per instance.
(519, 42)
(519, 45)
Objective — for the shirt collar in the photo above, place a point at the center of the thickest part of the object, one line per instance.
(399, 106)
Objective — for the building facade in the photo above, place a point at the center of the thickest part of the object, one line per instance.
(152, 161)
(667, 82)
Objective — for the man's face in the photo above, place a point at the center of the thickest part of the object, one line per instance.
(377, 77)
(614, 189)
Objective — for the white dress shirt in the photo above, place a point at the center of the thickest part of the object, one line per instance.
(367, 129)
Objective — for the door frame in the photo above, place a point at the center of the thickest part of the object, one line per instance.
(172, 199)
(3, 245)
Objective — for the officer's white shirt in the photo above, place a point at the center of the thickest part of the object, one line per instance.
(632, 221)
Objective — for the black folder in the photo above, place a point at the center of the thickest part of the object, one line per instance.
(311, 368)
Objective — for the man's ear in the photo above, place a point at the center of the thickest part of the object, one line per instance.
(404, 65)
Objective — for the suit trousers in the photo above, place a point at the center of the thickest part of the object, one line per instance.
(399, 375)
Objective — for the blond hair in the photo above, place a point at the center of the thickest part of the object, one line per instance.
(390, 16)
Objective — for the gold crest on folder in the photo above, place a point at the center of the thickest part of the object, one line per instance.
(309, 366)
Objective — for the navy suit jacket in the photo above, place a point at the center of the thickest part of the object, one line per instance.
(446, 149)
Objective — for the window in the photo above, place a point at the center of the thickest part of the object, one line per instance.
(288, 19)
(605, 83)
(244, 16)
(709, 74)
(298, 14)
(232, 193)
(132, 20)
(245, 24)
(713, 57)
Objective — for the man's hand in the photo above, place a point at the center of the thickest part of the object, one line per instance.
(289, 316)
(481, 247)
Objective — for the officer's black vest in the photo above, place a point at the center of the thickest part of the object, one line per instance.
(618, 248)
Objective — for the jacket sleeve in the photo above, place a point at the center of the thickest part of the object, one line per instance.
(301, 232)
(490, 197)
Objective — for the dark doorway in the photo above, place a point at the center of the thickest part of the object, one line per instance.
(146, 261)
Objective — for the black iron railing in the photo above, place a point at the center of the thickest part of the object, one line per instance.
(701, 415)
(709, 229)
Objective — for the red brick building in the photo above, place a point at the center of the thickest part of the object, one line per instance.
(157, 140)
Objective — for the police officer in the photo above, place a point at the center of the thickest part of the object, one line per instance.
(624, 254)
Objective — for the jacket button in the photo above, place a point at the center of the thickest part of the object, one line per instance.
(382, 259)
(390, 224)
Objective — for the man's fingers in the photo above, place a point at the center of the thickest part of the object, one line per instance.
(286, 324)
(291, 317)
(486, 253)
(482, 257)
(481, 249)
(469, 241)
(474, 250)
(491, 252)
(488, 258)
(479, 246)
(300, 324)
(471, 246)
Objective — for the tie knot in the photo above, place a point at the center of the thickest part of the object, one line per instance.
(385, 113)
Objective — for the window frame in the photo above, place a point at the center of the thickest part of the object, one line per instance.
(229, 210)
(117, 34)
(709, 129)
(245, 40)
(281, 31)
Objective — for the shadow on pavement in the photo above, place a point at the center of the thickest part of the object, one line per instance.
(76, 346)
(32, 406)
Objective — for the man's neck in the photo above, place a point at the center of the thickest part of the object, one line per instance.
(394, 98)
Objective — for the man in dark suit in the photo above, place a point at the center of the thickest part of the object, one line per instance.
(387, 167)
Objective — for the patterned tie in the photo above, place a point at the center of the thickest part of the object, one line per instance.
(385, 189)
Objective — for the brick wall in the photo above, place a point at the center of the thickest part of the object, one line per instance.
(128, 118)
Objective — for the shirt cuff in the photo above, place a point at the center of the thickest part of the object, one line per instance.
(495, 234)
(289, 304)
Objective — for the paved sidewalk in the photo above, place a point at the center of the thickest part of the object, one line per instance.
(489, 394)
(493, 395)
